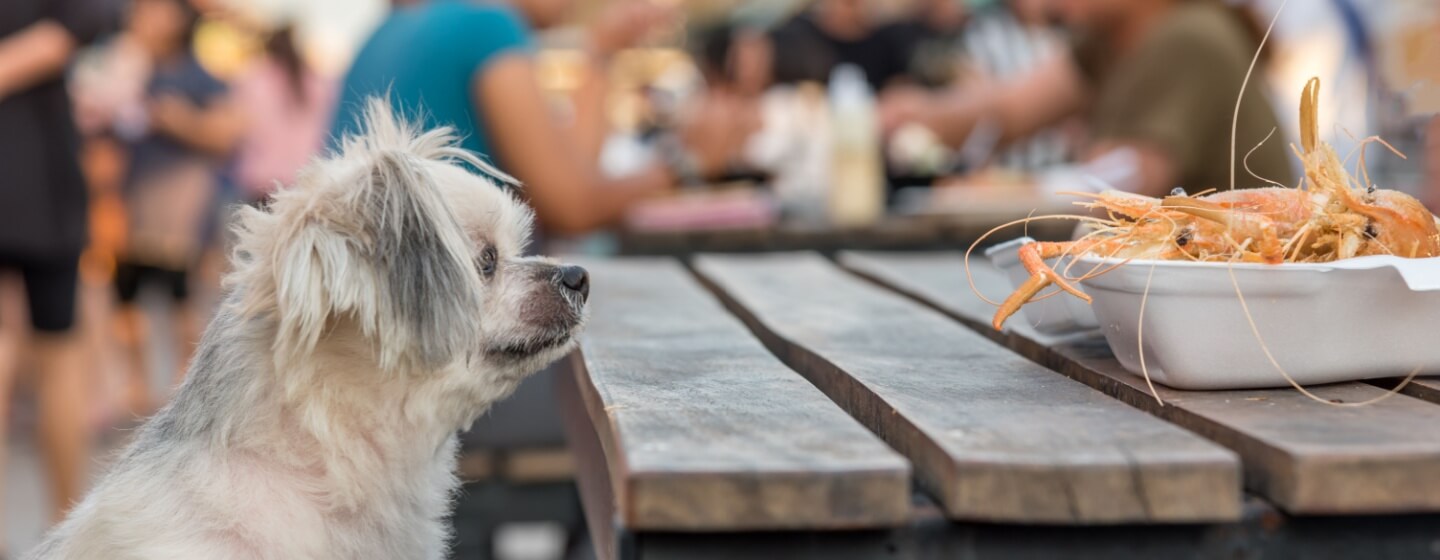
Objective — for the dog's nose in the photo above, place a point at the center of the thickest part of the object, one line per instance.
(576, 279)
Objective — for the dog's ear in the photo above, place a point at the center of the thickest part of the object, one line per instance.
(388, 254)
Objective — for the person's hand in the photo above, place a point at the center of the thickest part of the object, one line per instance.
(990, 181)
(716, 129)
(625, 23)
(901, 105)
(170, 112)
(987, 189)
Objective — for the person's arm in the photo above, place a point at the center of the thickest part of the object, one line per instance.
(619, 27)
(1129, 166)
(565, 187)
(215, 129)
(587, 125)
(1148, 169)
(1045, 96)
(40, 51)
(33, 55)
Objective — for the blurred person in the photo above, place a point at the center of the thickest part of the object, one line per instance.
(736, 59)
(1432, 163)
(829, 33)
(1004, 42)
(287, 107)
(43, 225)
(814, 41)
(975, 44)
(1157, 81)
(469, 65)
(937, 27)
(190, 127)
(107, 84)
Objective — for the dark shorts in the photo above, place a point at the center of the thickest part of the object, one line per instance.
(129, 277)
(50, 285)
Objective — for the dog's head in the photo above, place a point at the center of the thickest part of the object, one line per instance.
(393, 242)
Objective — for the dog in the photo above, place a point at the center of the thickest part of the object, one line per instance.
(375, 308)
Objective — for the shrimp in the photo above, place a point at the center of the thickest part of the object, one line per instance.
(1173, 228)
(1330, 216)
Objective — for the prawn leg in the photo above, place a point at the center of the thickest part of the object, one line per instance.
(1033, 257)
(1041, 276)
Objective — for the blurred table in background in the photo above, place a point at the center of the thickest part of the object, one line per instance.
(744, 221)
(790, 406)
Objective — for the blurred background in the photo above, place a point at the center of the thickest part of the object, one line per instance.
(129, 129)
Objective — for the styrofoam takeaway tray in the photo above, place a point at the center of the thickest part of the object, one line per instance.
(1354, 319)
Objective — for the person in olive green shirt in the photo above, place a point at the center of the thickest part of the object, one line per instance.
(1155, 80)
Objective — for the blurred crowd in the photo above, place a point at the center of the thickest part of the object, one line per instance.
(123, 144)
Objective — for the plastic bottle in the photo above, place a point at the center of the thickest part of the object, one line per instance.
(857, 189)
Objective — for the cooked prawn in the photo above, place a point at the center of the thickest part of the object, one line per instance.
(1330, 216)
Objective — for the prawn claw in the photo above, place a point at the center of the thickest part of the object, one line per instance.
(1033, 257)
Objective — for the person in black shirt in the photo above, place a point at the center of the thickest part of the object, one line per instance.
(43, 220)
(834, 32)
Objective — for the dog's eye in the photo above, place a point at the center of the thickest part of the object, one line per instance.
(487, 261)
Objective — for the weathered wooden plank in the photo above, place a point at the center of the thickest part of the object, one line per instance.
(1424, 388)
(992, 436)
(704, 430)
(1305, 456)
(592, 478)
(1262, 533)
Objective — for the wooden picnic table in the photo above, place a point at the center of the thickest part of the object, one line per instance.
(792, 406)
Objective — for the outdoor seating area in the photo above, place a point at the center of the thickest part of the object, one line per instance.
(715, 279)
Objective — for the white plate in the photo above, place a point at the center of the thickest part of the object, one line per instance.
(1354, 319)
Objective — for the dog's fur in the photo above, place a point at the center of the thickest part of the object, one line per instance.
(358, 333)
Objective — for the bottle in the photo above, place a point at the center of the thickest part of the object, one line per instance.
(857, 183)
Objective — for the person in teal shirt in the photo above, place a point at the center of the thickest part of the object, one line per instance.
(425, 57)
(470, 65)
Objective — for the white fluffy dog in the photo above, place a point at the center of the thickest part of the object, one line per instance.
(378, 306)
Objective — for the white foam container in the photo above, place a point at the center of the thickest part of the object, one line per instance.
(1361, 318)
(1354, 319)
(1058, 314)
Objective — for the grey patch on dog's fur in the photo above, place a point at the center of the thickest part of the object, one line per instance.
(426, 282)
(218, 371)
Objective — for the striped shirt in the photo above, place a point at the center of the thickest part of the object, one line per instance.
(1000, 46)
